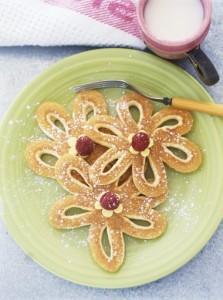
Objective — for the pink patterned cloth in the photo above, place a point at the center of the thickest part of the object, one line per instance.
(69, 22)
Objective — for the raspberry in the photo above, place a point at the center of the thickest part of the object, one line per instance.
(140, 141)
(84, 145)
(109, 201)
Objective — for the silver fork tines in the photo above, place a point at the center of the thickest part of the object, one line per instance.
(113, 84)
(101, 84)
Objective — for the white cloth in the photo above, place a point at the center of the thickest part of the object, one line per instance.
(69, 22)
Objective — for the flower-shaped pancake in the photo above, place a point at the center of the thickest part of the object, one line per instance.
(65, 132)
(153, 138)
(112, 207)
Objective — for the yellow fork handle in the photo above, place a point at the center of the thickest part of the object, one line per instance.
(201, 106)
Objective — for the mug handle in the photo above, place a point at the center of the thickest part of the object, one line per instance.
(203, 66)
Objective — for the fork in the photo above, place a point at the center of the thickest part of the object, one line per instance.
(181, 103)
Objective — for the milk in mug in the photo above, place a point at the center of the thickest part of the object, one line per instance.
(173, 20)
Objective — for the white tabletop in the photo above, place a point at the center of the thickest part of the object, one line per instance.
(22, 278)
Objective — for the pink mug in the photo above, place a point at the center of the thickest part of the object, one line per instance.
(183, 48)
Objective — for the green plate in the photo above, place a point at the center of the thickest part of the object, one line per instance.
(194, 206)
